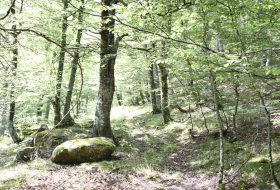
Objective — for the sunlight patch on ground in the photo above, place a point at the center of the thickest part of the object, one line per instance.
(127, 112)
(18, 171)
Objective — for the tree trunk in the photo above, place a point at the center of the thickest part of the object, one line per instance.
(11, 128)
(102, 124)
(235, 112)
(119, 97)
(68, 120)
(48, 106)
(142, 96)
(157, 86)
(4, 104)
(155, 108)
(39, 108)
(57, 98)
(220, 125)
(269, 139)
(147, 96)
(164, 90)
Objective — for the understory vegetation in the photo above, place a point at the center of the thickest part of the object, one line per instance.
(184, 93)
(152, 155)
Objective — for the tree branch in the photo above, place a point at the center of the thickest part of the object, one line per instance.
(9, 10)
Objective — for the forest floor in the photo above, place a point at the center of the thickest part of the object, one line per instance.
(151, 156)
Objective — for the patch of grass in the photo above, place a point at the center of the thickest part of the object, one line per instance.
(207, 161)
(174, 127)
(170, 148)
(12, 184)
(149, 172)
(257, 171)
(7, 147)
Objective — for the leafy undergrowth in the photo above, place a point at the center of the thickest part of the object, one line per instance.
(152, 156)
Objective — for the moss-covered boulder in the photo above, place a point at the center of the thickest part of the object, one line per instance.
(83, 150)
(26, 154)
(48, 140)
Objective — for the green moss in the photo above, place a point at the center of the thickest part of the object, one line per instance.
(275, 135)
(83, 150)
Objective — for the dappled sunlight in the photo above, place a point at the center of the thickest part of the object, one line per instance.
(128, 112)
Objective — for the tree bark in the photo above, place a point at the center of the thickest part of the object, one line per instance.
(47, 112)
(164, 90)
(67, 120)
(220, 125)
(57, 98)
(4, 104)
(269, 139)
(157, 86)
(108, 51)
(119, 97)
(155, 108)
(11, 128)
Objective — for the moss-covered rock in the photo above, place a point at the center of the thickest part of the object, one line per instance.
(26, 154)
(83, 150)
(48, 140)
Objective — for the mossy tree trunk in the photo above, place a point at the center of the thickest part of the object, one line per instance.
(67, 120)
(47, 111)
(108, 52)
(57, 98)
(164, 90)
(155, 107)
(12, 110)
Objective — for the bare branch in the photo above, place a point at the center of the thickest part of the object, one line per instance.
(9, 10)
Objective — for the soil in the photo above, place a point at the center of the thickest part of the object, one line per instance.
(76, 177)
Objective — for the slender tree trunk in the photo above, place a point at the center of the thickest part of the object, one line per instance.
(269, 128)
(235, 112)
(57, 98)
(102, 124)
(155, 108)
(4, 104)
(142, 96)
(220, 125)
(86, 105)
(119, 97)
(39, 108)
(12, 110)
(164, 90)
(157, 86)
(68, 120)
(147, 96)
(78, 106)
(47, 112)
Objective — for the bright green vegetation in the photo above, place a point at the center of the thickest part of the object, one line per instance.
(69, 64)
(151, 149)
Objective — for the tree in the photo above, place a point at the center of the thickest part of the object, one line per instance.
(67, 120)
(108, 51)
(61, 59)
(14, 63)
(164, 90)
(5, 102)
(153, 86)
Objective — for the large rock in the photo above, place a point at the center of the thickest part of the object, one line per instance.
(26, 154)
(48, 140)
(83, 150)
